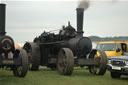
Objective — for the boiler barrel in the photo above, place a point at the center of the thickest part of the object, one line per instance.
(80, 45)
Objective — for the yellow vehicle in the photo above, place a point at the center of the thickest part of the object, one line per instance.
(113, 48)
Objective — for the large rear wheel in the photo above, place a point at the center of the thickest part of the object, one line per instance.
(101, 68)
(65, 61)
(33, 51)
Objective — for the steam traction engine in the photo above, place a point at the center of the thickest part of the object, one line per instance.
(11, 58)
(61, 51)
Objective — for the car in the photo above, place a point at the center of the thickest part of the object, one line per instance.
(118, 66)
(113, 48)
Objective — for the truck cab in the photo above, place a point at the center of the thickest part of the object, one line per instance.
(113, 48)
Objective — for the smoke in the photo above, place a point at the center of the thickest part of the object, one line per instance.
(84, 4)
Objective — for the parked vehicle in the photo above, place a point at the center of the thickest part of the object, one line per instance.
(118, 66)
(113, 48)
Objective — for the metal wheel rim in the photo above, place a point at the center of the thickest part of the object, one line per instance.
(65, 62)
(61, 61)
(20, 71)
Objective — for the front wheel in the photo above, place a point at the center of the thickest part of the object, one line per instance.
(101, 68)
(21, 71)
(65, 61)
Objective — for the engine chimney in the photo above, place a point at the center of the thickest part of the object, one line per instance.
(80, 16)
(2, 19)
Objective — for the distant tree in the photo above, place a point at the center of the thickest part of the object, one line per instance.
(97, 38)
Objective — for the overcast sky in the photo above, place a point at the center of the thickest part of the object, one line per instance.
(27, 19)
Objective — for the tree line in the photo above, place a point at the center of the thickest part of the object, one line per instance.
(97, 38)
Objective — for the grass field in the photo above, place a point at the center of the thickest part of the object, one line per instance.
(48, 77)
